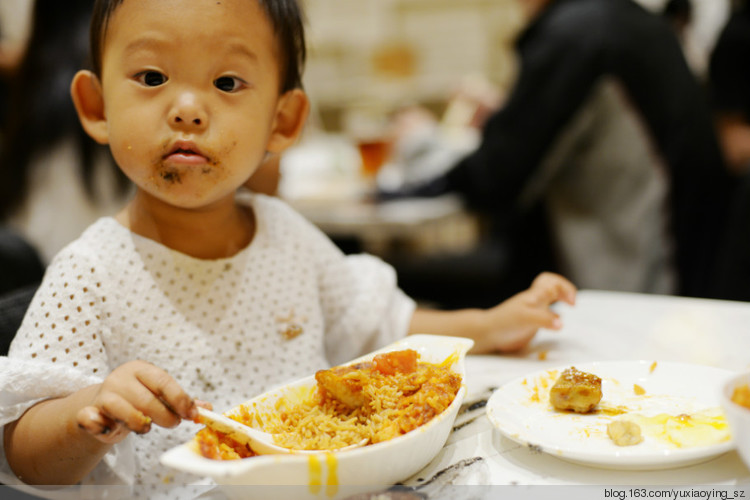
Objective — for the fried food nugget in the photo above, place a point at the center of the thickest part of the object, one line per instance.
(345, 383)
(576, 391)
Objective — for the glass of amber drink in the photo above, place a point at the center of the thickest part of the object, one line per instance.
(374, 152)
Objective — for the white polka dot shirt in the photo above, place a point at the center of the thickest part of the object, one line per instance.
(287, 305)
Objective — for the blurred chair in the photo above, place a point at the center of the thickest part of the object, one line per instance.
(22, 271)
(19, 261)
(13, 307)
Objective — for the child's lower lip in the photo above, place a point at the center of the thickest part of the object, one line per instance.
(186, 159)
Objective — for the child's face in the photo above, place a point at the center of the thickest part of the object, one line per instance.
(191, 95)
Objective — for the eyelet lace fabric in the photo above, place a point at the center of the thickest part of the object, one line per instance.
(227, 329)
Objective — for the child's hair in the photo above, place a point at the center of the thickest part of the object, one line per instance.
(286, 18)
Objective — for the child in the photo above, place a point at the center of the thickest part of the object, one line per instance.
(229, 296)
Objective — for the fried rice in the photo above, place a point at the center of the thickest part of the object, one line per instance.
(392, 398)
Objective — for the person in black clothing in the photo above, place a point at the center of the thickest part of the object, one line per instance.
(607, 140)
(729, 78)
(730, 83)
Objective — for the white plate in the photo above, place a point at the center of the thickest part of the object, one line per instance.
(521, 411)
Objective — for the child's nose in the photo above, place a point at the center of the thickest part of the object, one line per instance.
(187, 112)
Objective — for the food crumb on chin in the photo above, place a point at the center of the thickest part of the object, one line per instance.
(171, 176)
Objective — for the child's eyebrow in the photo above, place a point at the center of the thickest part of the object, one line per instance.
(150, 42)
(242, 49)
(144, 43)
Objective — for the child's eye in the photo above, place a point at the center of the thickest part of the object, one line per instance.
(228, 83)
(152, 78)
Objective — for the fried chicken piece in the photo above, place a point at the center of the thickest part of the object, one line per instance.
(345, 383)
(576, 390)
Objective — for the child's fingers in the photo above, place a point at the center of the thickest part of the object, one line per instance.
(118, 409)
(100, 426)
(567, 291)
(90, 419)
(549, 288)
(543, 318)
(169, 393)
(153, 407)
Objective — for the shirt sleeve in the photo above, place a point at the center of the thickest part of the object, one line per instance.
(64, 328)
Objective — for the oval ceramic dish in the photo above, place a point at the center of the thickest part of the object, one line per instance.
(337, 474)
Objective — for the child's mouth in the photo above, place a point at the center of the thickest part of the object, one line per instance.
(186, 154)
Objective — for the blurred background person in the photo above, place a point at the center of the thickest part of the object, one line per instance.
(680, 15)
(730, 89)
(48, 165)
(47, 162)
(13, 34)
(730, 84)
(603, 163)
(697, 24)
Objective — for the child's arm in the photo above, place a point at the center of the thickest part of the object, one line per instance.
(508, 326)
(59, 441)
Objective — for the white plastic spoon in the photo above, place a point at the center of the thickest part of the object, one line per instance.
(261, 442)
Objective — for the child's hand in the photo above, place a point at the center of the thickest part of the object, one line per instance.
(513, 323)
(132, 397)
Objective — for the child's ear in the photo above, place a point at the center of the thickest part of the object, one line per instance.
(291, 113)
(86, 91)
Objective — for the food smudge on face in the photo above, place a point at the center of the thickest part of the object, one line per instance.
(171, 175)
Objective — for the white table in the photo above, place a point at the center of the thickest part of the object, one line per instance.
(478, 463)
(602, 326)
